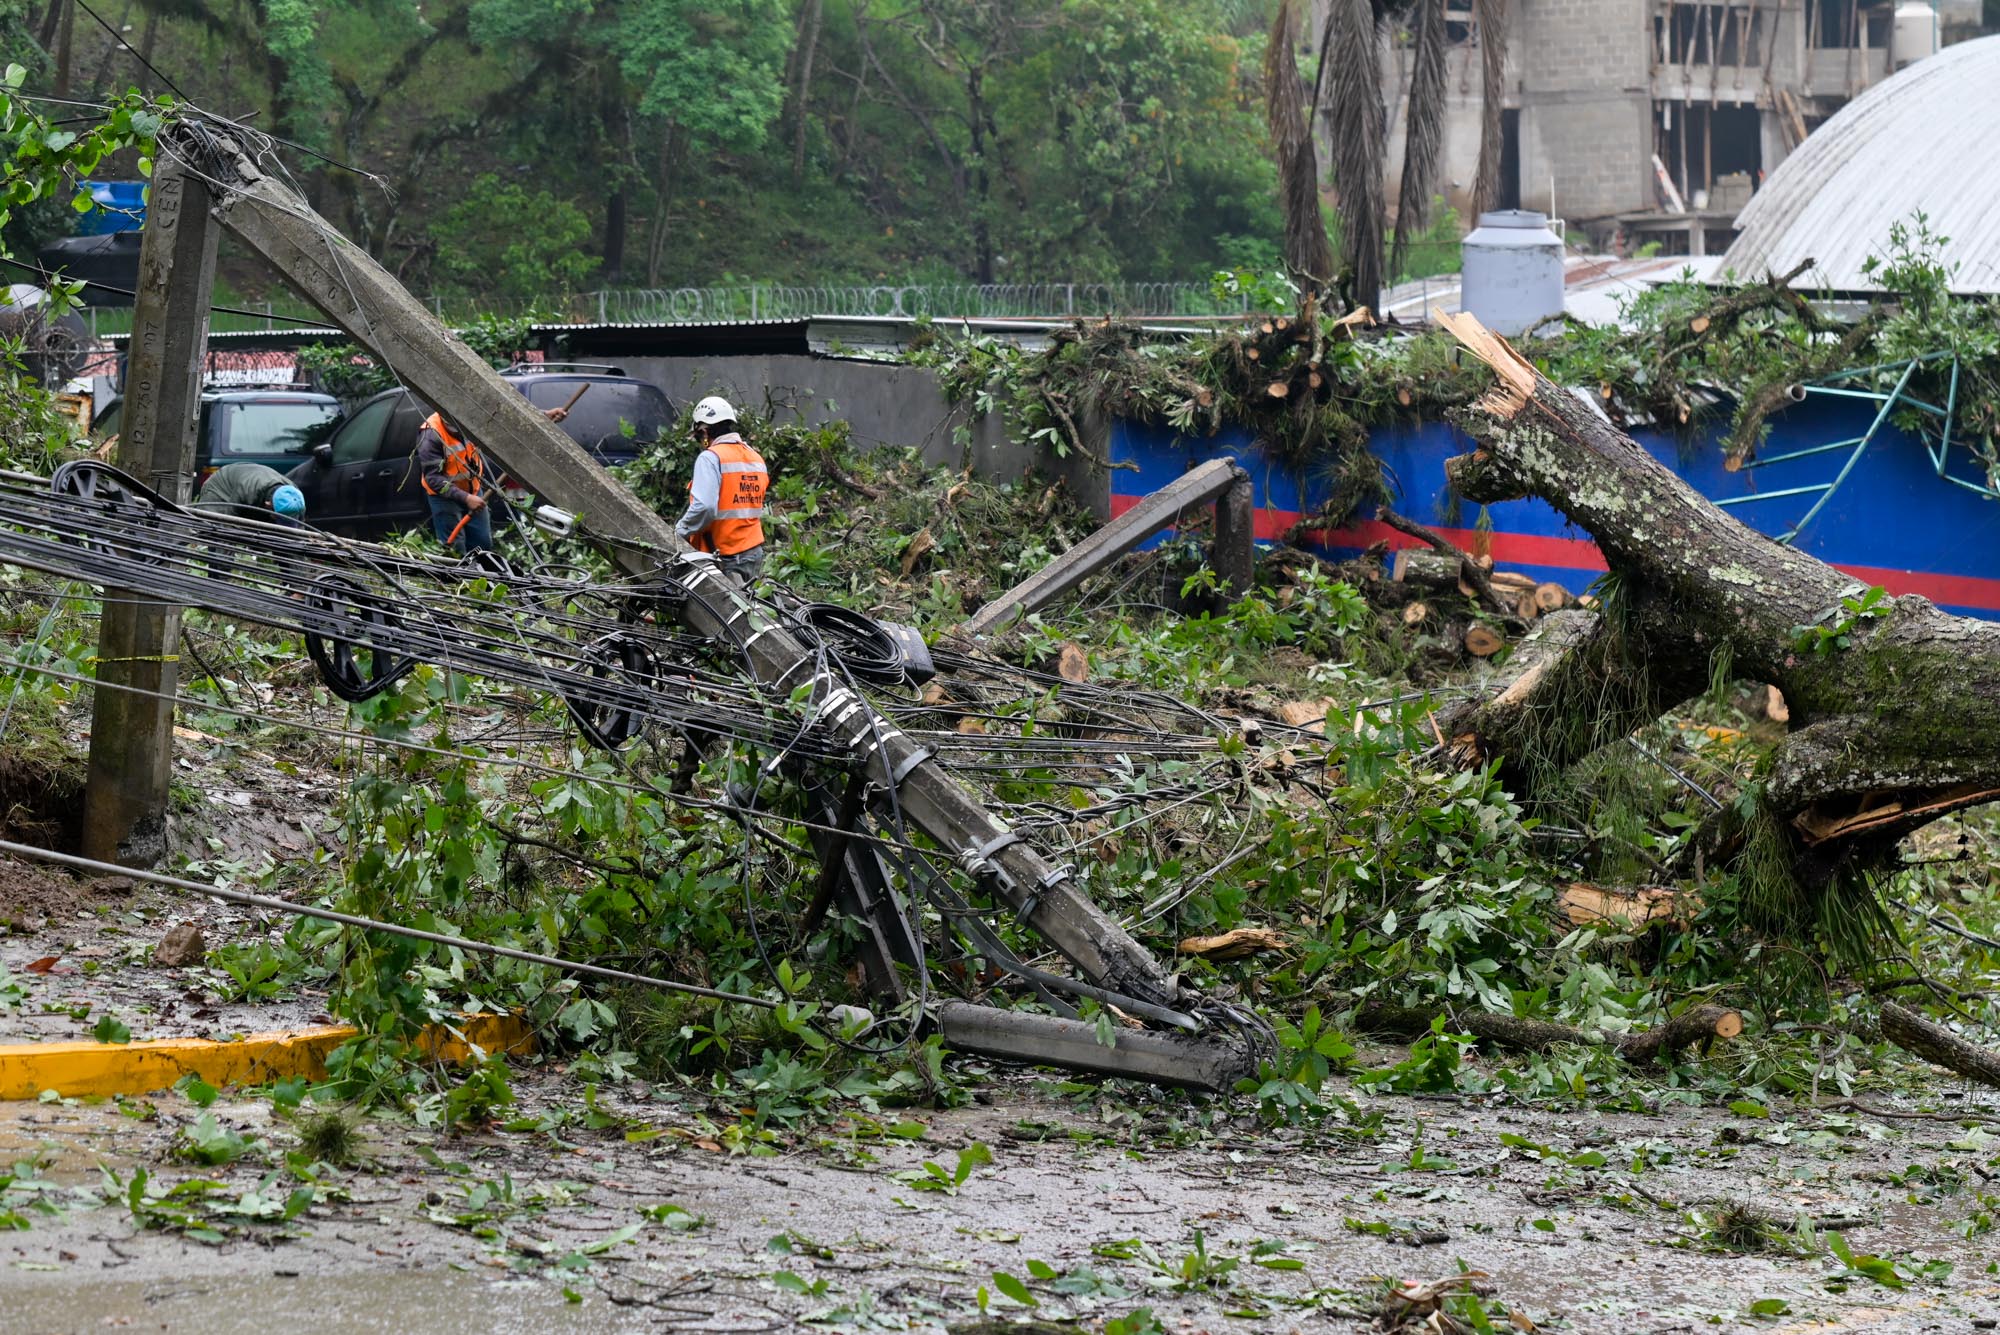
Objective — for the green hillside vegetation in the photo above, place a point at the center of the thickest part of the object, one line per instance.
(520, 151)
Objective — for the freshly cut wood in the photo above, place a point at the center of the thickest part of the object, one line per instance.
(1234, 945)
(1585, 904)
(1072, 664)
(1307, 714)
(1525, 606)
(1432, 570)
(1551, 597)
(1513, 581)
(1700, 1024)
(1415, 614)
(920, 545)
(1775, 708)
(1482, 641)
(1473, 570)
(1278, 389)
(1937, 1044)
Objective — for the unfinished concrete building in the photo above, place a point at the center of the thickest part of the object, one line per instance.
(1654, 121)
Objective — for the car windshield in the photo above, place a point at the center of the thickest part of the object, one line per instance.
(598, 420)
(271, 426)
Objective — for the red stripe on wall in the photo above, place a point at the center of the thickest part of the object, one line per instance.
(1516, 548)
(1582, 554)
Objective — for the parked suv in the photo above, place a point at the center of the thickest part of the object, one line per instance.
(364, 483)
(275, 425)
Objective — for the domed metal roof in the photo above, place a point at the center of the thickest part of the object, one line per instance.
(1923, 140)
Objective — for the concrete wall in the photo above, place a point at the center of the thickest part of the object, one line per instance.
(1463, 104)
(884, 403)
(1586, 106)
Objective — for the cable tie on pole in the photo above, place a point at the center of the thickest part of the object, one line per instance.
(909, 765)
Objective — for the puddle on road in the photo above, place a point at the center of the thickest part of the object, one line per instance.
(68, 1142)
(389, 1302)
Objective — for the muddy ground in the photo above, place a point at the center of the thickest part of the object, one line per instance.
(1099, 1199)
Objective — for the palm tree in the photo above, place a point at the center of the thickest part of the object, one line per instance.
(1348, 94)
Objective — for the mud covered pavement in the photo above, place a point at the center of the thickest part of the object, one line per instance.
(613, 1213)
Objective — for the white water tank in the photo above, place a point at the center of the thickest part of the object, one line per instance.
(1915, 34)
(1513, 271)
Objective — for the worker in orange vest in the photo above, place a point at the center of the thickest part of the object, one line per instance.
(725, 510)
(454, 477)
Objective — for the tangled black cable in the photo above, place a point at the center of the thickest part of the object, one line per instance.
(860, 643)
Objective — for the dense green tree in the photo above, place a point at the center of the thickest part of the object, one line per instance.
(512, 247)
(800, 141)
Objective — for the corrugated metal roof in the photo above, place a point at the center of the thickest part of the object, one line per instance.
(1921, 140)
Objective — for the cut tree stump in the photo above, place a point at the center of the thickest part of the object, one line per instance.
(1482, 641)
(1937, 1044)
(1551, 597)
(1415, 614)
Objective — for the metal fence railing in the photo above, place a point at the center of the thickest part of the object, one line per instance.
(906, 301)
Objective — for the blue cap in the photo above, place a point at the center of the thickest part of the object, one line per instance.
(288, 500)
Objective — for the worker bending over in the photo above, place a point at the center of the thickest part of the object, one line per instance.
(252, 491)
(725, 513)
(454, 475)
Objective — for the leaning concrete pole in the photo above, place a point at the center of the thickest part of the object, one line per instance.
(364, 299)
(132, 729)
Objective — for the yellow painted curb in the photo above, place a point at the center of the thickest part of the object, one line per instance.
(79, 1069)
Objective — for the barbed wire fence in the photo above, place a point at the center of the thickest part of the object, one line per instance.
(907, 301)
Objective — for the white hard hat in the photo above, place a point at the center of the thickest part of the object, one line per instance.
(714, 409)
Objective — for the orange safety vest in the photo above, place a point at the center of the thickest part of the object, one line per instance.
(461, 458)
(739, 509)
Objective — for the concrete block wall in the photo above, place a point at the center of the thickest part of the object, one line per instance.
(886, 405)
(1464, 105)
(1586, 106)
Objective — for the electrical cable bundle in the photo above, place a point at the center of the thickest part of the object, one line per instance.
(860, 643)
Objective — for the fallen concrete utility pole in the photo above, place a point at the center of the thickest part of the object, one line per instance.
(131, 737)
(357, 294)
(1166, 1059)
(1217, 478)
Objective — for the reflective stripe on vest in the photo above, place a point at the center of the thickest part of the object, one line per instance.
(739, 508)
(461, 458)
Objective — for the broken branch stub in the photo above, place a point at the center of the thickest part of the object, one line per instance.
(1892, 728)
(1939, 1045)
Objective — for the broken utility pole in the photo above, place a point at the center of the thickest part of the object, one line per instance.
(131, 729)
(1199, 486)
(357, 294)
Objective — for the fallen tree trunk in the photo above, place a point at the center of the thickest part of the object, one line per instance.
(1937, 1044)
(1697, 1025)
(1895, 705)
